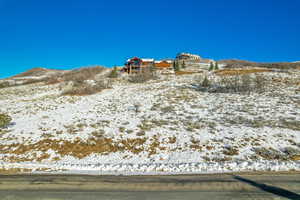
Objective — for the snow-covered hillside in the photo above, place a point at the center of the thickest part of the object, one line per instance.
(164, 126)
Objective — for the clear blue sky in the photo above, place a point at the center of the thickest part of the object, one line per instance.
(72, 33)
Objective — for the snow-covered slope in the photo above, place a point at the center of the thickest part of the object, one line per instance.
(163, 126)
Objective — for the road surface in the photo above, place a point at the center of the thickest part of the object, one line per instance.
(178, 187)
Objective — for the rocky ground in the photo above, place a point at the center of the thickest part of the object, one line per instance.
(164, 126)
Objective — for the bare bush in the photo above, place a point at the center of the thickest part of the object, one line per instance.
(81, 88)
(143, 76)
(260, 83)
(243, 83)
(236, 84)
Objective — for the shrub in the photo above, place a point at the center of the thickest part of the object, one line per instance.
(236, 84)
(113, 73)
(291, 151)
(216, 66)
(176, 66)
(231, 151)
(4, 85)
(211, 66)
(183, 65)
(4, 120)
(205, 82)
(269, 153)
(143, 76)
(81, 88)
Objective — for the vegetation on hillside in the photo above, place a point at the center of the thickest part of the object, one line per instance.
(4, 85)
(113, 73)
(143, 76)
(244, 83)
(243, 63)
(5, 120)
(176, 66)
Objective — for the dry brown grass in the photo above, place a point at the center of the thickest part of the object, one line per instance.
(10, 171)
(77, 148)
(231, 151)
(196, 145)
(172, 140)
(295, 157)
(178, 73)
(232, 72)
(154, 146)
(14, 171)
(270, 154)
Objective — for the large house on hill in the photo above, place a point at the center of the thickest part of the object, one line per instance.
(193, 58)
(188, 56)
(135, 64)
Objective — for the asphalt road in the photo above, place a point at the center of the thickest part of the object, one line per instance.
(179, 187)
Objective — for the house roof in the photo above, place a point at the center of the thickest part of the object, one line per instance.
(142, 59)
(167, 61)
(147, 59)
(134, 58)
